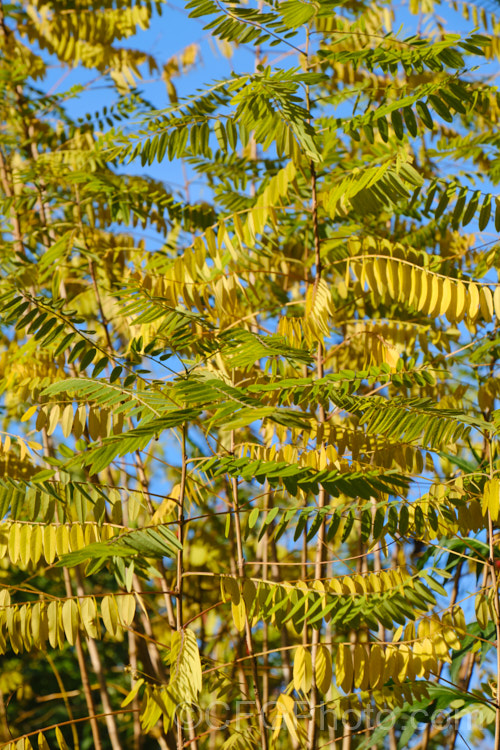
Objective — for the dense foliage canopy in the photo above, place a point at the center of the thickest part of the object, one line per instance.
(249, 466)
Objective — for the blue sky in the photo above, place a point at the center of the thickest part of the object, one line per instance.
(170, 34)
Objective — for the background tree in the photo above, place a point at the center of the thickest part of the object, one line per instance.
(250, 480)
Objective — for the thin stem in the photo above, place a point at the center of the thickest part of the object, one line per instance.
(95, 660)
(78, 644)
(141, 475)
(377, 568)
(151, 645)
(64, 694)
(465, 676)
(181, 521)
(453, 598)
(265, 626)
(248, 630)
(59, 724)
(496, 607)
(84, 675)
(180, 571)
(132, 655)
(319, 566)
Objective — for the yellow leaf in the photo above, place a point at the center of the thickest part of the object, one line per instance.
(90, 533)
(22, 448)
(361, 672)
(349, 586)
(5, 598)
(440, 647)
(491, 498)
(473, 306)
(94, 424)
(424, 285)
(130, 697)
(433, 295)
(109, 613)
(413, 665)
(88, 614)
(323, 668)
(15, 542)
(392, 278)
(79, 422)
(27, 415)
(70, 620)
(376, 668)
(447, 302)
(194, 662)
(302, 670)
(41, 419)
(380, 274)
(53, 419)
(344, 667)
(285, 710)
(335, 586)
(126, 606)
(458, 618)
(211, 242)
(449, 634)
(67, 420)
(402, 662)
(105, 422)
(486, 304)
(167, 506)
(118, 422)
(230, 589)
(53, 618)
(36, 543)
(428, 657)
(239, 615)
(407, 283)
(248, 592)
(14, 629)
(390, 663)
(496, 301)
(225, 48)
(76, 537)
(60, 740)
(39, 624)
(49, 543)
(62, 539)
(135, 506)
(391, 355)
(460, 301)
(24, 626)
(25, 543)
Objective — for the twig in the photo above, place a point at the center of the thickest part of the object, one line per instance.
(248, 630)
